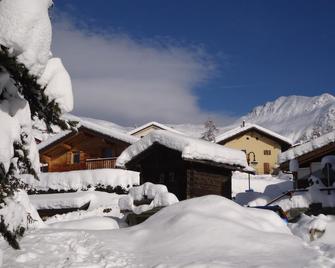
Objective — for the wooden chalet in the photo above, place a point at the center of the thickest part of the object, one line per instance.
(308, 156)
(91, 147)
(188, 167)
(262, 146)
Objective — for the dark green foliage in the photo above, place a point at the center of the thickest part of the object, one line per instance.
(8, 185)
(22, 153)
(41, 107)
(11, 237)
(26, 83)
(99, 187)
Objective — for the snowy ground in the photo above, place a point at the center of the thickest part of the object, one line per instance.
(264, 188)
(203, 232)
(210, 231)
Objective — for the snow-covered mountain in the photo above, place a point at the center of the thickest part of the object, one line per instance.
(297, 117)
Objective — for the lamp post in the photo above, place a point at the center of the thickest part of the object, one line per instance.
(254, 162)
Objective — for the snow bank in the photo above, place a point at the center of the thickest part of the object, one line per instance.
(212, 231)
(307, 225)
(320, 231)
(157, 192)
(101, 204)
(74, 200)
(92, 223)
(82, 179)
(209, 231)
(190, 148)
(307, 147)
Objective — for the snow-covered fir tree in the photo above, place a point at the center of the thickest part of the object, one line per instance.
(32, 86)
(210, 131)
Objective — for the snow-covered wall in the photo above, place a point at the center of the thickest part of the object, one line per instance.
(82, 179)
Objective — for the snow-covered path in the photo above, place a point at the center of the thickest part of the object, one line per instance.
(50, 248)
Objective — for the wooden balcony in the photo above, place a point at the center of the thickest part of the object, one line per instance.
(98, 163)
(94, 163)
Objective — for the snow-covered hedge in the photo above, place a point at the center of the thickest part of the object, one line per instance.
(110, 180)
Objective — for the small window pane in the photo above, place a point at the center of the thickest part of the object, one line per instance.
(76, 157)
(267, 152)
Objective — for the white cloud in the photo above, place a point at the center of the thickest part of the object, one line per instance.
(128, 81)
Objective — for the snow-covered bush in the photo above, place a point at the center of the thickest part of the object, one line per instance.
(157, 193)
(25, 36)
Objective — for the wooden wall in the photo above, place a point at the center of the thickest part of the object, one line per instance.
(203, 180)
(60, 156)
(185, 179)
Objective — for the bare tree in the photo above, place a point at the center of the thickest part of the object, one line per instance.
(210, 131)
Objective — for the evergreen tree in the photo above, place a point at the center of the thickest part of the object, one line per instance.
(210, 132)
(23, 86)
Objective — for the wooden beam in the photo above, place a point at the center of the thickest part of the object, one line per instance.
(66, 146)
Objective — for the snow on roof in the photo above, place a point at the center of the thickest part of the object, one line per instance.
(191, 149)
(108, 131)
(153, 123)
(111, 132)
(307, 147)
(53, 139)
(248, 126)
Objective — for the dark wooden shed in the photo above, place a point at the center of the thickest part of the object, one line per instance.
(186, 177)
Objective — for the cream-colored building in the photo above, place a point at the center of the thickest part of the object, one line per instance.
(262, 146)
(149, 127)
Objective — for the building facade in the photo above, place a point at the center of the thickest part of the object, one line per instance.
(261, 146)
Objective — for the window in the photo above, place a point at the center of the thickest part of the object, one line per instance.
(76, 157)
(247, 138)
(267, 152)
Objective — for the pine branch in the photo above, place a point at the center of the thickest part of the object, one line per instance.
(40, 105)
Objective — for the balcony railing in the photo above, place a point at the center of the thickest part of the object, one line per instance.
(98, 163)
(93, 163)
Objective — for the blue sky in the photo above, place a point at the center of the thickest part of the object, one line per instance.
(260, 49)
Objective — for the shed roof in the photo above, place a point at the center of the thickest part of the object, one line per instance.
(190, 149)
(153, 123)
(307, 147)
(242, 129)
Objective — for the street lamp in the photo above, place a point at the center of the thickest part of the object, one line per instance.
(253, 162)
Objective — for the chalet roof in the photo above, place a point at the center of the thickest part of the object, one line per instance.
(153, 123)
(190, 148)
(307, 147)
(107, 131)
(242, 129)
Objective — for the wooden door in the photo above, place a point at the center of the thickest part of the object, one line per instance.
(266, 168)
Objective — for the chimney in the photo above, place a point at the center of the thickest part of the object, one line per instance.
(243, 123)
